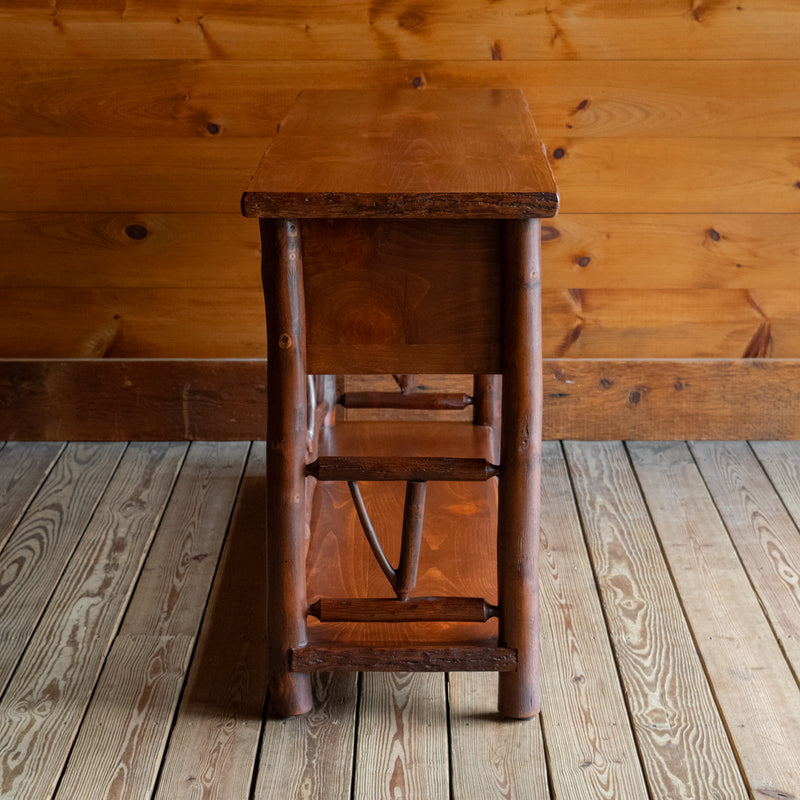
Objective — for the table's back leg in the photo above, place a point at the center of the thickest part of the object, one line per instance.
(287, 433)
(520, 465)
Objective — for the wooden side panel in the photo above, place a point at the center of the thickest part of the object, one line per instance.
(410, 296)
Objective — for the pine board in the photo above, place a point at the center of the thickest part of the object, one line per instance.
(591, 750)
(229, 323)
(638, 174)
(118, 751)
(216, 98)
(40, 548)
(473, 30)
(491, 757)
(45, 700)
(23, 469)
(679, 731)
(312, 755)
(402, 737)
(754, 687)
(173, 587)
(765, 537)
(214, 742)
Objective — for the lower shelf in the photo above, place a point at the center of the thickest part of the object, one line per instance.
(457, 559)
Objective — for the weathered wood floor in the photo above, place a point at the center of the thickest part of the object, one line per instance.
(132, 638)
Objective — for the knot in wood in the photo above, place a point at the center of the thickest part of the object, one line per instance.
(284, 341)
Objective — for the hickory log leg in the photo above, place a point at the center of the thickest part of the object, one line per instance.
(520, 467)
(287, 431)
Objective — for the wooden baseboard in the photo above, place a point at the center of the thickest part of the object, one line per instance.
(120, 399)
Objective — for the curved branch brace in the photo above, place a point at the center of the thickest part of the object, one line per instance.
(404, 578)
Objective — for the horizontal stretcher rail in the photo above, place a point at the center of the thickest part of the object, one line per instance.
(376, 468)
(414, 609)
(429, 401)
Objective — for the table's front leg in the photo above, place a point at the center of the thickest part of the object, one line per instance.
(287, 433)
(520, 467)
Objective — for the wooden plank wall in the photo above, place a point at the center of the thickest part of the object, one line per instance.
(129, 130)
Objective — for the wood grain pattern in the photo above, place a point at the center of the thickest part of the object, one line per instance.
(489, 757)
(173, 586)
(590, 747)
(117, 174)
(744, 662)
(129, 250)
(683, 744)
(392, 153)
(473, 30)
(781, 461)
(591, 323)
(118, 755)
(402, 737)
(214, 400)
(46, 698)
(23, 469)
(213, 745)
(381, 294)
(234, 98)
(580, 251)
(40, 547)
(312, 755)
(665, 175)
(762, 531)
(670, 251)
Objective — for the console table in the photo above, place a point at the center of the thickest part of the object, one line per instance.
(400, 236)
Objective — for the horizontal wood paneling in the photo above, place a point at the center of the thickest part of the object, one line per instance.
(635, 174)
(129, 133)
(387, 29)
(130, 249)
(109, 399)
(213, 98)
(580, 251)
(229, 323)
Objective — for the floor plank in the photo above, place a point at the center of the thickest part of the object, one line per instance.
(755, 689)
(765, 537)
(591, 748)
(682, 741)
(45, 701)
(312, 755)
(158, 633)
(132, 606)
(118, 751)
(36, 554)
(402, 737)
(213, 747)
(23, 468)
(492, 757)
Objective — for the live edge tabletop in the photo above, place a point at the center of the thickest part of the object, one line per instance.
(463, 153)
(401, 235)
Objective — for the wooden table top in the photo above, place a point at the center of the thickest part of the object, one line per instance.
(405, 153)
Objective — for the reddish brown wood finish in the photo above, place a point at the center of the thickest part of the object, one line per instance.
(419, 251)
(430, 401)
(520, 453)
(282, 277)
(377, 468)
(413, 514)
(436, 609)
(434, 154)
(450, 658)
